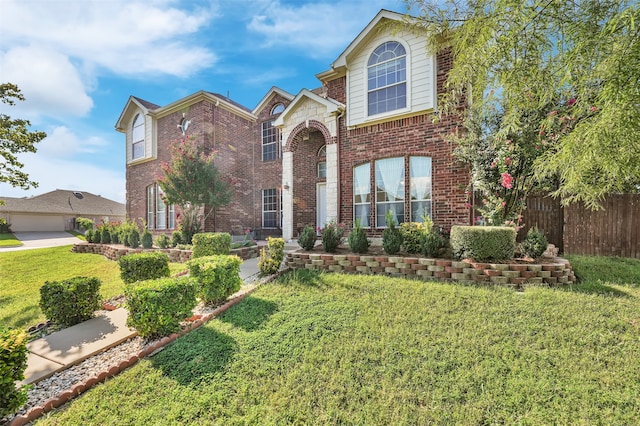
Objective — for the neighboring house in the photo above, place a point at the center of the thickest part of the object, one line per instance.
(57, 210)
(363, 144)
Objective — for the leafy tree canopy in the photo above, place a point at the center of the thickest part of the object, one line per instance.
(575, 61)
(192, 181)
(15, 138)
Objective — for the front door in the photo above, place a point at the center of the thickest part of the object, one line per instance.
(321, 205)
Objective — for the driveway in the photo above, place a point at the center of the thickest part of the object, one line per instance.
(33, 240)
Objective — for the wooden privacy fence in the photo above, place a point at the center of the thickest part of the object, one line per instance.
(575, 229)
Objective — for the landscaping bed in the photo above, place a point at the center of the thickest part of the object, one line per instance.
(514, 273)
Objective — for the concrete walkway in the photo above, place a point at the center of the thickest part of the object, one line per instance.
(34, 240)
(72, 345)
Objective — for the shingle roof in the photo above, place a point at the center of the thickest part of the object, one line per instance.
(146, 104)
(67, 202)
(231, 101)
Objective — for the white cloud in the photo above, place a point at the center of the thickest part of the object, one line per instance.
(126, 37)
(317, 28)
(48, 80)
(63, 143)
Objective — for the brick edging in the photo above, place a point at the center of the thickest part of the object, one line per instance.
(555, 272)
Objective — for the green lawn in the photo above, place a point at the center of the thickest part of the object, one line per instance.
(9, 240)
(24, 272)
(330, 348)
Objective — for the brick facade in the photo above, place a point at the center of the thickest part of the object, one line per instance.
(316, 118)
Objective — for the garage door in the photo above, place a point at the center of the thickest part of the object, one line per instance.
(32, 222)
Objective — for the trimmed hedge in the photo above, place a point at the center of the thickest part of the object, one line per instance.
(13, 363)
(71, 301)
(143, 266)
(483, 243)
(218, 276)
(211, 244)
(156, 307)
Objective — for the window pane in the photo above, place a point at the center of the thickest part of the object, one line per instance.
(270, 137)
(161, 211)
(386, 81)
(362, 212)
(150, 207)
(322, 169)
(138, 150)
(389, 189)
(137, 137)
(269, 208)
(172, 216)
(420, 187)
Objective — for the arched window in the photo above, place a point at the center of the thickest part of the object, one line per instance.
(277, 109)
(322, 162)
(137, 137)
(387, 78)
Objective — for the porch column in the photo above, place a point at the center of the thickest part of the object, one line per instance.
(332, 181)
(287, 195)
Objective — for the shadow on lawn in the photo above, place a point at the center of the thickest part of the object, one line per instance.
(250, 314)
(197, 357)
(595, 287)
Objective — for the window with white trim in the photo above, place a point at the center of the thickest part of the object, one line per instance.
(277, 108)
(420, 187)
(322, 164)
(387, 78)
(137, 138)
(159, 215)
(362, 194)
(270, 138)
(269, 208)
(389, 190)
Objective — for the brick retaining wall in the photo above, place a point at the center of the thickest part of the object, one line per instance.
(113, 252)
(556, 272)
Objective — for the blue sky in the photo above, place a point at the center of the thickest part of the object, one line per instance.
(78, 61)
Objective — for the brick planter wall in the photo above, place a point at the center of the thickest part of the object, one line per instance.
(556, 272)
(179, 256)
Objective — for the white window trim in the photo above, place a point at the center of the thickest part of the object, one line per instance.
(354, 195)
(140, 141)
(275, 143)
(365, 79)
(269, 211)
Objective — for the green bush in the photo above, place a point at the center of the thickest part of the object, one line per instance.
(88, 235)
(391, 237)
(147, 239)
(307, 238)
(163, 241)
(134, 238)
(71, 301)
(412, 233)
(270, 262)
(156, 307)
(483, 243)
(534, 244)
(332, 236)
(433, 244)
(357, 239)
(143, 266)
(5, 228)
(105, 235)
(210, 244)
(84, 223)
(218, 277)
(176, 238)
(13, 363)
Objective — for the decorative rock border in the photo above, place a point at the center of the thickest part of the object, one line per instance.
(556, 271)
(113, 370)
(114, 252)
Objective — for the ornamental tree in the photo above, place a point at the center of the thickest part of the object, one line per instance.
(15, 137)
(192, 181)
(526, 57)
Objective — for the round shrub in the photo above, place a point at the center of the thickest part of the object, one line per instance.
(163, 241)
(357, 239)
(412, 236)
(534, 244)
(147, 239)
(483, 243)
(307, 238)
